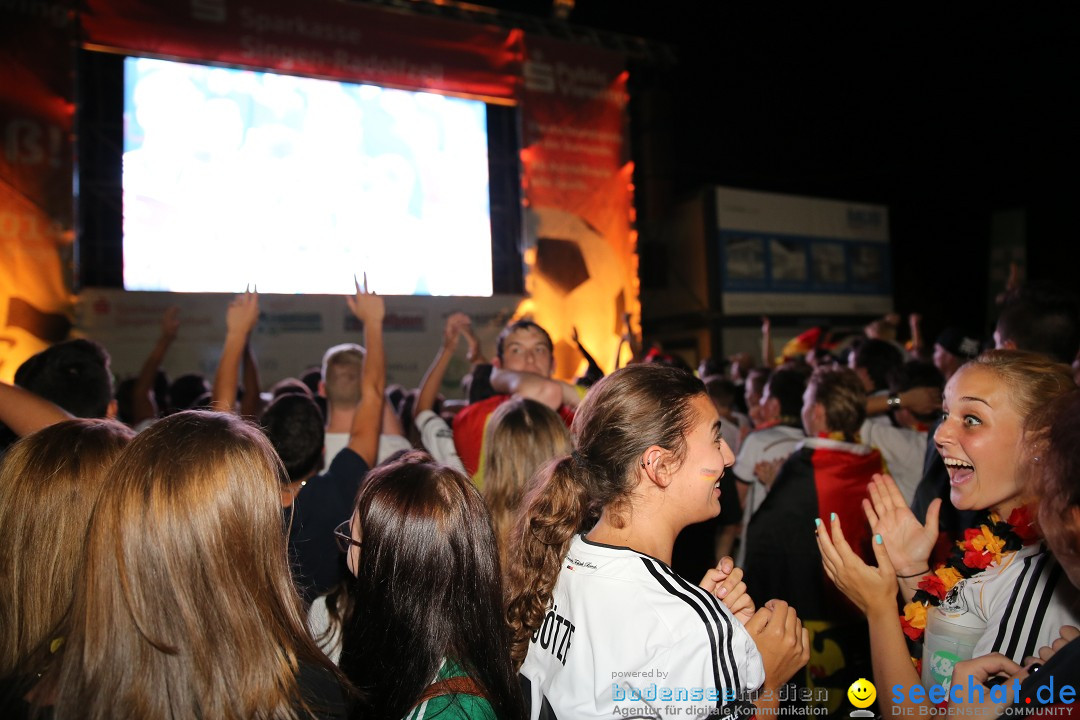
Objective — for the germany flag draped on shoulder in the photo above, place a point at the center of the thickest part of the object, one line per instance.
(821, 477)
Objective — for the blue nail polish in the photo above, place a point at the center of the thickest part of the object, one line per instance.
(817, 522)
(832, 516)
(878, 540)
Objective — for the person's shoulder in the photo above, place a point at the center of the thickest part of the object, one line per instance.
(453, 706)
(459, 697)
(479, 409)
(627, 587)
(347, 461)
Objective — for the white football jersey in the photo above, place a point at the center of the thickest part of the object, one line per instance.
(626, 636)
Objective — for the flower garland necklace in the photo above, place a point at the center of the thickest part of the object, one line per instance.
(983, 545)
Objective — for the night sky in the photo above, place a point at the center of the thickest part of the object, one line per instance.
(944, 115)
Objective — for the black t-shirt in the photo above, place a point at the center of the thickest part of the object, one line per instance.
(324, 503)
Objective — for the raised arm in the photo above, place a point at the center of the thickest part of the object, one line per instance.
(915, 325)
(920, 400)
(873, 591)
(457, 325)
(473, 353)
(240, 318)
(768, 355)
(548, 391)
(908, 542)
(630, 340)
(593, 372)
(367, 421)
(26, 413)
(250, 404)
(143, 405)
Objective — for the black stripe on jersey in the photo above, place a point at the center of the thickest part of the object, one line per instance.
(1040, 611)
(712, 604)
(709, 627)
(1019, 624)
(1012, 604)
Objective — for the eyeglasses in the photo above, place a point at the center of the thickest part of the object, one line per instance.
(343, 535)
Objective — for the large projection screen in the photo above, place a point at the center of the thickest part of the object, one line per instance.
(291, 184)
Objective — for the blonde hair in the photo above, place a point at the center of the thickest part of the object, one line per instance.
(49, 483)
(1033, 379)
(186, 606)
(521, 437)
(841, 393)
(342, 368)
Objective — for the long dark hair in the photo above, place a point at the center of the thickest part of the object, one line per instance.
(428, 589)
(622, 416)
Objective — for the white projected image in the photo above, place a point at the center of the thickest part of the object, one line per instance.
(235, 177)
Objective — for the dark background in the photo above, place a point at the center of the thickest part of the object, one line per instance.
(943, 114)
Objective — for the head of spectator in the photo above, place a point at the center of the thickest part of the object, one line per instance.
(640, 421)
(49, 482)
(982, 434)
(873, 361)
(428, 591)
(342, 368)
(524, 346)
(395, 393)
(723, 393)
(294, 425)
(125, 396)
(657, 355)
(799, 365)
(1042, 318)
(953, 348)
(187, 391)
(782, 398)
(916, 374)
(73, 374)
(883, 328)
(740, 365)
(820, 357)
(187, 602)
(521, 436)
(311, 377)
(289, 386)
(834, 404)
(752, 392)
(710, 367)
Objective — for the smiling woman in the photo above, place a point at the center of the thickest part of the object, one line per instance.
(981, 436)
(592, 596)
(1002, 591)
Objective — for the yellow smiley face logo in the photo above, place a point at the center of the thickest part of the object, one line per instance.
(862, 693)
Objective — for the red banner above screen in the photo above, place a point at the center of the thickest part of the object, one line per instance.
(325, 38)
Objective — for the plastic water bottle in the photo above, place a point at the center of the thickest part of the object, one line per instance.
(950, 638)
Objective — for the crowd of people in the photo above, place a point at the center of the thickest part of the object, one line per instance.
(743, 540)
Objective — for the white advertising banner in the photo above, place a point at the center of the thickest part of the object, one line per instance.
(292, 334)
(790, 255)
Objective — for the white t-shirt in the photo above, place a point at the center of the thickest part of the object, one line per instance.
(903, 449)
(438, 439)
(1023, 603)
(627, 636)
(388, 445)
(770, 443)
